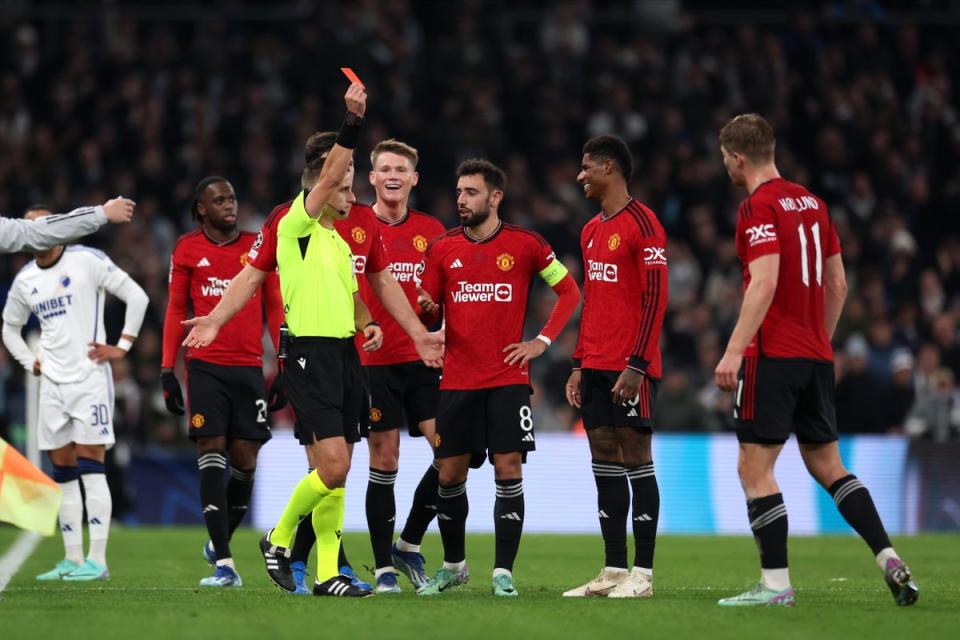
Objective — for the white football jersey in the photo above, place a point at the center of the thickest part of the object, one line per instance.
(67, 297)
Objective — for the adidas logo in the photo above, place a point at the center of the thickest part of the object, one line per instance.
(66, 527)
(34, 292)
(210, 507)
(632, 413)
(642, 518)
(513, 515)
(392, 519)
(590, 244)
(527, 438)
(456, 264)
(95, 521)
(203, 262)
(105, 432)
(443, 516)
(603, 514)
(432, 507)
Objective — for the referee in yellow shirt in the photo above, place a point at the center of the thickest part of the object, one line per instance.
(322, 375)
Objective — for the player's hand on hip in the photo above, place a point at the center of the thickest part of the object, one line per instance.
(203, 331)
(374, 335)
(427, 306)
(627, 386)
(728, 371)
(119, 210)
(572, 389)
(429, 347)
(172, 395)
(356, 99)
(36, 368)
(100, 353)
(520, 353)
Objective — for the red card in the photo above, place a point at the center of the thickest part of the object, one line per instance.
(351, 76)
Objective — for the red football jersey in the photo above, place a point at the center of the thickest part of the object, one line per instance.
(483, 287)
(200, 271)
(406, 242)
(783, 217)
(624, 291)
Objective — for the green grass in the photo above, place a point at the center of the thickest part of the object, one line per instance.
(154, 594)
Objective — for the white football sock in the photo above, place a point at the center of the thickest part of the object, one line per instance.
(776, 579)
(502, 572)
(884, 555)
(403, 545)
(99, 510)
(455, 566)
(71, 520)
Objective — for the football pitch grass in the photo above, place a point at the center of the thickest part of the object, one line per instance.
(154, 594)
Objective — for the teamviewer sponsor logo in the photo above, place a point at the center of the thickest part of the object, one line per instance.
(602, 271)
(760, 234)
(215, 287)
(359, 264)
(406, 271)
(483, 292)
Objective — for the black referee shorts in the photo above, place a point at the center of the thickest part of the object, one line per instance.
(325, 389)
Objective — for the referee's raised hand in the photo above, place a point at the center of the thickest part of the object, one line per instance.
(356, 99)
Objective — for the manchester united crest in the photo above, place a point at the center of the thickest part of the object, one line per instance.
(375, 415)
(613, 242)
(244, 258)
(359, 235)
(419, 243)
(197, 420)
(505, 261)
(436, 440)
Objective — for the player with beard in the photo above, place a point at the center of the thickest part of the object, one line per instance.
(226, 398)
(481, 274)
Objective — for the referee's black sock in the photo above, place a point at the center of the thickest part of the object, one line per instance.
(213, 500)
(424, 507)
(452, 510)
(508, 522)
(381, 514)
(646, 513)
(857, 508)
(613, 504)
(304, 538)
(239, 490)
(768, 521)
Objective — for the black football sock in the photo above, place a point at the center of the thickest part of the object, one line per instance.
(613, 504)
(768, 521)
(452, 510)
(213, 500)
(646, 513)
(239, 491)
(381, 514)
(424, 507)
(857, 508)
(508, 522)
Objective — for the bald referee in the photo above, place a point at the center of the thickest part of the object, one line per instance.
(323, 312)
(47, 232)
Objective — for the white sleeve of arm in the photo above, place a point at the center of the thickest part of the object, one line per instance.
(37, 235)
(17, 346)
(136, 300)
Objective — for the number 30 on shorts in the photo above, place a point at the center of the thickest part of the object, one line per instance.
(100, 416)
(526, 418)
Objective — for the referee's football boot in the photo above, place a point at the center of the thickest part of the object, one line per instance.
(340, 587)
(224, 576)
(410, 564)
(761, 596)
(905, 591)
(443, 580)
(277, 561)
(347, 570)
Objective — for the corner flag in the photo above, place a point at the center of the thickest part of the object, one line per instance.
(28, 498)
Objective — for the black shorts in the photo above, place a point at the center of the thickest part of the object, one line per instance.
(226, 401)
(599, 409)
(484, 421)
(325, 389)
(402, 393)
(778, 396)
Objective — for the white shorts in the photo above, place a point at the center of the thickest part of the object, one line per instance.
(79, 412)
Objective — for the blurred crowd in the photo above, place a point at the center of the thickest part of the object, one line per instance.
(866, 116)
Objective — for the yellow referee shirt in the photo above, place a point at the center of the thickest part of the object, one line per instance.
(316, 276)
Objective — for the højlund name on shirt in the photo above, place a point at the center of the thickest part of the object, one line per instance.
(802, 203)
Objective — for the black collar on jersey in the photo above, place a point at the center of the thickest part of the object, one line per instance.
(63, 250)
(206, 235)
(390, 223)
(622, 209)
(493, 235)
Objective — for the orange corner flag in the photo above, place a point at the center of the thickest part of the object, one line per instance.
(28, 498)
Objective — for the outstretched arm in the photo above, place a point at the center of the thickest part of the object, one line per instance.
(204, 329)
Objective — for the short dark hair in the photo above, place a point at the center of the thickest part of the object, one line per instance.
(751, 135)
(607, 147)
(318, 145)
(198, 192)
(493, 175)
(37, 206)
